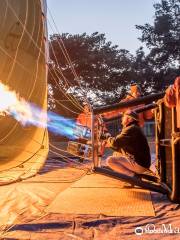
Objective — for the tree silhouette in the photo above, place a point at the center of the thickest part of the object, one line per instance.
(103, 71)
(163, 40)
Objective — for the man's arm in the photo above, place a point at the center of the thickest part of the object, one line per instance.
(120, 141)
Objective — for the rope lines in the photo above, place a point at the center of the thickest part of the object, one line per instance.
(59, 149)
(63, 105)
(69, 97)
(65, 158)
(63, 48)
(20, 40)
(56, 73)
(33, 41)
(67, 57)
(67, 82)
(15, 60)
(52, 71)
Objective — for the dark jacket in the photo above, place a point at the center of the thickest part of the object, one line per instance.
(133, 143)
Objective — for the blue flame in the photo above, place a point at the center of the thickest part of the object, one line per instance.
(60, 125)
(27, 113)
(55, 123)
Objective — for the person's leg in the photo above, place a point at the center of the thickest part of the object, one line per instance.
(131, 165)
(121, 165)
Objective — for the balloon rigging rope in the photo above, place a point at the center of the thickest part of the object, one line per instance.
(65, 52)
(26, 30)
(15, 59)
(59, 68)
(65, 158)
(20, 40)
(62, 150)
(63, 92)
(13, 65)
(68, 84)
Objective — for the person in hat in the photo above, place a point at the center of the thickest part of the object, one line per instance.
(134, 93)
(131, 146)
(84, 118)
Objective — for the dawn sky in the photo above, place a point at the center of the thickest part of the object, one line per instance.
(115, 18)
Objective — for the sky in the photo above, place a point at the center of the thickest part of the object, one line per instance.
(115, 18)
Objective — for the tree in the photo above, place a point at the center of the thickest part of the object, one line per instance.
(163, 41)
(103, 71)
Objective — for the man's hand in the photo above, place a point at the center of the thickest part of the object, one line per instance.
(108, 142)
(105, 136)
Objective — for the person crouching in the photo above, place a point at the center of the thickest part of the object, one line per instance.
(132, 148)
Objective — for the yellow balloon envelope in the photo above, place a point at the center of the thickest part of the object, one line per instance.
(23, 55)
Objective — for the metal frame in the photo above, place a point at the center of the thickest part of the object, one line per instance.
(156, 187)
(94, 138)
(168, 165)
(134, 102)
(175, 194)
(151, 184)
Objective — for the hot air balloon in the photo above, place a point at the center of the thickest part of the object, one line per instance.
(23, 68)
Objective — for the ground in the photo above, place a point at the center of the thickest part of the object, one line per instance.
(29, 220)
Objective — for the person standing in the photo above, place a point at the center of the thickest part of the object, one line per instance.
(84, 118)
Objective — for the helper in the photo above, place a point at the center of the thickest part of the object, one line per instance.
(84, 118)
